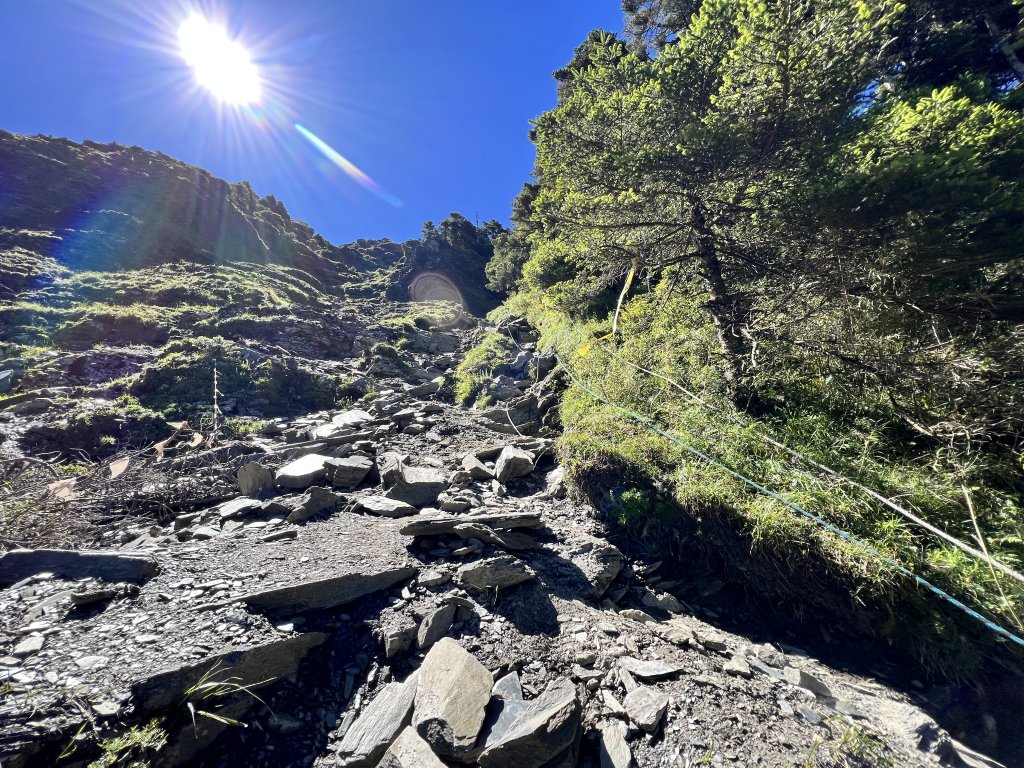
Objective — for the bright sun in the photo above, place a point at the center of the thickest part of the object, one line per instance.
(221, 64)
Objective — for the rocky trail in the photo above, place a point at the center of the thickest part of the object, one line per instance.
(406, 583)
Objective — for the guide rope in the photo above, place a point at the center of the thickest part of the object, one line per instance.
(821, 522)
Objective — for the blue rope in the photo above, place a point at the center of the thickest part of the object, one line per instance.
(831, 527)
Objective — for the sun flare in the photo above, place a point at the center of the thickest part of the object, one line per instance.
(221, 65)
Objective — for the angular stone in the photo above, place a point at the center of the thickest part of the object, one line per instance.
(349, 472)
(384, 718)
(435, 625)
(615, 752)
(240, 507)
(806, 681)
(451, 699)
(385, 507)
(738, 667)
(661, 601)
(28, 646)
(419, 486)
(287, 533)
(600, 563)
(476, 468)
(352, 418)
(410, 751)
(646, 707)
(399, 639)
(541, 730)
(325, 593)
(649, 670)
(512, 463)
(255, 479)
(508, 688)
(312, 503)
(440, 525)
(302, 472)
(675, 631)
(19, 564)
(254, 667)
(495, 573)
(505, 539)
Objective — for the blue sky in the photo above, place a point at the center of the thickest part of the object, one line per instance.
(430, 98)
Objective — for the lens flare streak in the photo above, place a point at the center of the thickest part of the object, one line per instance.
(346, 165)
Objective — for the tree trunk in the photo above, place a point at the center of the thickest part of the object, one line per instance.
(729, 316)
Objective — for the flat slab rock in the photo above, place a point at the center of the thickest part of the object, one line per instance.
(650, 670)
(384, 718)
(384, 507)
(451, 698)
(441, 525)
(19, 564)
(326, 593)
(495, 573)
(256, 666)
(302, 472)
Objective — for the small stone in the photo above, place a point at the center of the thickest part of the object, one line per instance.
(649, 670)
(512, 463)
(806, 681)
(495, 573)
(287, 533)
(646, 707)
(738, 667)
(435, 625)
(254, 479)
(384, 507)
(312, 503)
(476, 468)
(28, 646)
(92, 662)
(387, 714)
(348, 472)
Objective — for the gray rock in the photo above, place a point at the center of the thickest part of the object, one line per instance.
(451, 699)
(435, 625)
(348, 472)
(255, 479)
(476, 468)
(806, 681)
(738, 667)
(378, 726)
(7, 381)
(302, 472)
(440, 525)
(399, 639)
(28, 646)
(512, 463)
(312, 503)
(325, 593)
(240, 507)
(19, 564)
(287, 533)
(649, 670)
(419, 486)
(599, 561)
(661, 601)
(508, 688)
(410, 751)
(495, 573)
(385, 507)
(615, 752)
(255, 667)
(542, 729)
(505, 539)
(646, 707)
(675, 631)
(352, 418)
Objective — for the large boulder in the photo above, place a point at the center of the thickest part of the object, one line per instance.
(451, 699)
(512, 463)
(543, 729)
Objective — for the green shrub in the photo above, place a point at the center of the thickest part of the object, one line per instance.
(476, 369)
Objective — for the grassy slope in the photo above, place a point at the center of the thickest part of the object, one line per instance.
(650, 481)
